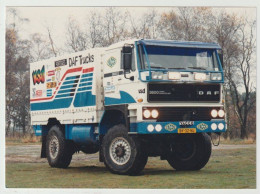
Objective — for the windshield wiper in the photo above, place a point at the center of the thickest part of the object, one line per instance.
(157, 67)
(176, 68)
(201, 68)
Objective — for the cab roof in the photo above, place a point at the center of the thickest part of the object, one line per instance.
(175, 43)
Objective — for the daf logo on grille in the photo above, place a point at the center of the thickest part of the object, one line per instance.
(201, 93)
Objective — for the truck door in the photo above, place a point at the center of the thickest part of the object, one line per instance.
(117, 85)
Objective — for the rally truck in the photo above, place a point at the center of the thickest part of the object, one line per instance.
(132, 100)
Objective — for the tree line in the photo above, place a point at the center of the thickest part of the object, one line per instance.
(236, 35)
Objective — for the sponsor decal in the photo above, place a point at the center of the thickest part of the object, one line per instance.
(62, 62)
(48, 80)
(110, 89)
(111, 62)
(38, 76)
(202, 126)
(38, 93)
(186, 123)
(34, 92)
(49, 92)
(80, 60)
(51, 73)
(141, 91)
(170, 127)
(53, 78)
(58, 73)
(51, 85)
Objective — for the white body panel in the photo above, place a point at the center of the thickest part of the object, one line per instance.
(68, 88)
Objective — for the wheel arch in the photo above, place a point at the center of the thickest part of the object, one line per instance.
(114, 115)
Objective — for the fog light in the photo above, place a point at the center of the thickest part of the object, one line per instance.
(221, 113)
(147, 114)
(155, 113)
(214, 113)
(150, 128)
(158, 127)
(200, 76)
(214, 126)
(221, 126)
(174, 75)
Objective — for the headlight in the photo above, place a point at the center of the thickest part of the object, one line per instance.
(221, 113)
(214, 113)
(147, 113)
(200, 76)
(215, 76)
(157, 75)
(174, 75)
(155, 113)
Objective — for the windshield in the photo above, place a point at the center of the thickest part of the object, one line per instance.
(179, 58)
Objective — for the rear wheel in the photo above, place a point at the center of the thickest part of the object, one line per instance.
(122, 154)
(57, 149)
(190, 151)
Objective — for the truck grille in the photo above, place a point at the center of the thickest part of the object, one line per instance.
(162, 92)
(184, 113)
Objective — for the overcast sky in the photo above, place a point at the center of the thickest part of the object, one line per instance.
(57, 17)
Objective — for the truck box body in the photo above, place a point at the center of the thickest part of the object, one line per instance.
(66, 88)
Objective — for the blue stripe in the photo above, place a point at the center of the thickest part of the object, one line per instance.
(55, 104)
(87, 75)
(69, 82)
(64, 91)
(84, 88)
(72, 77)
(125, 99)
(68, 86)
(63, 95)
(86, 79)
(85, 84)
(84, 99)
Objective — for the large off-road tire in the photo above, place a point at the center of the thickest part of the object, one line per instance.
(122, 153)
(190, 151)
(58, 150)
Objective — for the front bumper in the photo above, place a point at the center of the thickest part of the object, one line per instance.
(178, 127)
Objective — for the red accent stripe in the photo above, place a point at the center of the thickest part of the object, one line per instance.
(88, 70)
(67, 72)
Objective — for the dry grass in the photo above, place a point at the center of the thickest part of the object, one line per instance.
(237, 141)
(27, 139)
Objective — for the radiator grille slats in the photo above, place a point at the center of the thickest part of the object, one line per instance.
(169, 92)
(184, 114)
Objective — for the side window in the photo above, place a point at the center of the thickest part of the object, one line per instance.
(133, 68)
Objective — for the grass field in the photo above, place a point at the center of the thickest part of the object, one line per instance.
(234, 169)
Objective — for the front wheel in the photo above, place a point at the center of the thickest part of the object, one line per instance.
(122, 154)
(190, 151)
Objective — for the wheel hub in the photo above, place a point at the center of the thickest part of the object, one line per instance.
(54, 147)
(120, 151)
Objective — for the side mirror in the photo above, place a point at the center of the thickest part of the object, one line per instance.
(220, 54)
(127, 58)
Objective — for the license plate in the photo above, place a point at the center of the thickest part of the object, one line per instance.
(187, 130)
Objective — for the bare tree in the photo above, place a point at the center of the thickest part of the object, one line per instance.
(76, 38)
(144, 27)
(244, 62)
